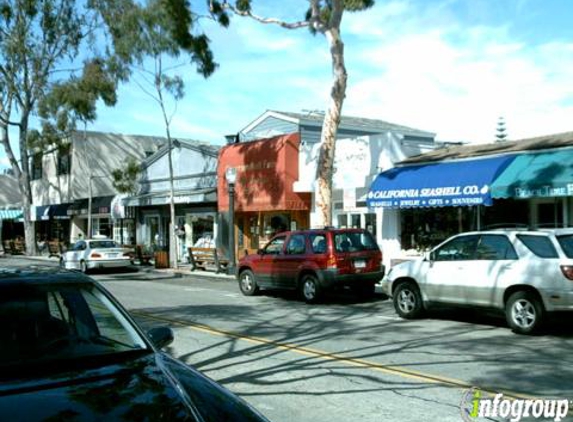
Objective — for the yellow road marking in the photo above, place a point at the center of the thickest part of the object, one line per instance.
(306, 351)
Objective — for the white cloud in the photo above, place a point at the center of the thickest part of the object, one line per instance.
(456, 81)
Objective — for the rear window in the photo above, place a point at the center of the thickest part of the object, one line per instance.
(103, 244)
(354, 242)
(566, 243)
(539, 245)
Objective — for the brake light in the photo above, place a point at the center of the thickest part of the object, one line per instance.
(567, 271)
(95, 255)
(331, 261)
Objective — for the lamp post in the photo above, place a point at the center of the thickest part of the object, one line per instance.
(231, 176)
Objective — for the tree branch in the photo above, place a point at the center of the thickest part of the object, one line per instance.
(269, 21)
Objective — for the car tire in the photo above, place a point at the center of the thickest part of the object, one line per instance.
(408, 300)
(310, 289)
(248, 283)
(83, 266)
(524, 312)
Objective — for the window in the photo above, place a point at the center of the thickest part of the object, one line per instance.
(318, 243)
(64, 161)
(566, 243)
(354, 241)
(79, 246)
(370, 220)
(275, 246)
(494, 247)
(539, 245)
(461, 248)
(296, 245)
(36, 167)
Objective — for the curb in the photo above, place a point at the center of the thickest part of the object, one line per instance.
(183, 272)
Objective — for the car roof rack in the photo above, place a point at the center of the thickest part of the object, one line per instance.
(508, 226)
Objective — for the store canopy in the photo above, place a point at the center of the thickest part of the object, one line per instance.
(47, 212)
(11, 214)
(454, 183)
(539, 175)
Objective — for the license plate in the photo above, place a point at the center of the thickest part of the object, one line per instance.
(112, 255)
(360, 264)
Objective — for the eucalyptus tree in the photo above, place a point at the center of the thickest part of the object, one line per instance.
(58, 60)
(159, 54)
(322, 17)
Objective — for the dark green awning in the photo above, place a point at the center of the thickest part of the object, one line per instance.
(538, 175)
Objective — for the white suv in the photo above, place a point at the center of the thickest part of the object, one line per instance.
(524, 273)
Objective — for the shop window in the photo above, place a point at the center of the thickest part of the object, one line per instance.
(124, 232)
(36, 167)
(101, 227)
(356, 221)
(370, 220)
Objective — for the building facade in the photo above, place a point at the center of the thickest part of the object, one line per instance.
(67, 179)
(195, 186)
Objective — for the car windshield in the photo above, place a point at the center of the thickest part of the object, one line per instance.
(354, 242)
(102, 244)
(566, 242)
(40, 323)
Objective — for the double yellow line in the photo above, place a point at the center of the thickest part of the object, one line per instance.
(306, 351)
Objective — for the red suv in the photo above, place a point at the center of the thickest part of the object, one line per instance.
(314, 261)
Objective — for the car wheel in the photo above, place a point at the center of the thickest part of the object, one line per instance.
(247, 283)
(524, 312)
(310, 288)
(83, 267)
(408, 301)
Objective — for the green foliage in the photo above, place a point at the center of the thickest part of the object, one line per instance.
(125, 179)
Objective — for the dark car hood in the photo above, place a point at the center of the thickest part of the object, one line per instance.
(152, 387)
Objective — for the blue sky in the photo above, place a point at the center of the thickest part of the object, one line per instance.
(447, 66)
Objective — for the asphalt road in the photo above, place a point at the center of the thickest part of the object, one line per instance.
(345, 359)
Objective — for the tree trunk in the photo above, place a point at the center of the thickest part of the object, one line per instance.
(325, 168)
(25, 186)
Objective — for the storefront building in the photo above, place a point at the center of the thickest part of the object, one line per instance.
(66, 179)
(265, 202)
(195, 198)
(364, 147)
(519, 184)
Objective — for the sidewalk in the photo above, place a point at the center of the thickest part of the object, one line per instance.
(183, 270)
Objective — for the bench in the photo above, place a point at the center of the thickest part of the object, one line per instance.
(142, 256)
(18, 247)
(204, 257)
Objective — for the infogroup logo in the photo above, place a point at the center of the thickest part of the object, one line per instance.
(477, 405)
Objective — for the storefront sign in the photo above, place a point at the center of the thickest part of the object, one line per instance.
(544, 191)
(349, 199)
(430, 197)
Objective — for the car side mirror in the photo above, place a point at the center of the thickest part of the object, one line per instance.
(161, 336)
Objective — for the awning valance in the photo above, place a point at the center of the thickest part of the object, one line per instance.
(538, 175)
(11, 214)
(454, 183)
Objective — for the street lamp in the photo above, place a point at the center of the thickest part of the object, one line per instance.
(231, 176)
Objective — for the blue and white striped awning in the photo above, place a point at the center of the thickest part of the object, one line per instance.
(10, 214)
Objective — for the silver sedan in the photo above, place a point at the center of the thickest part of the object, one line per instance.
(95, 253)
